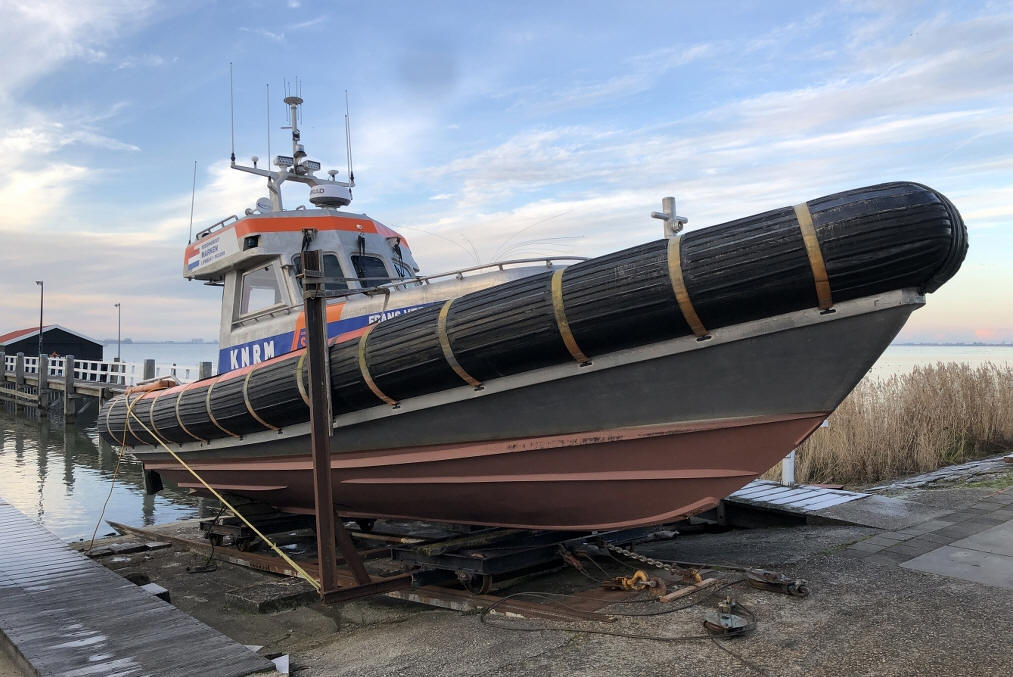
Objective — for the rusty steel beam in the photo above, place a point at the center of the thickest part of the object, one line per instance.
(320, 419)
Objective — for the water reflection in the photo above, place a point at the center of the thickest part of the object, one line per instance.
(60, 476)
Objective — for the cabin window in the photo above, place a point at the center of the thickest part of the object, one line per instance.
(260, 290)
(332, 271)
(370, 270)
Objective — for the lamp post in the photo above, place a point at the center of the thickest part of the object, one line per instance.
(118, 315)
(42, 294)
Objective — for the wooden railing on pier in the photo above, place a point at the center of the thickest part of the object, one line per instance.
(72, 381)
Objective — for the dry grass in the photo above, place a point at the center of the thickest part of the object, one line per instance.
(934, 416)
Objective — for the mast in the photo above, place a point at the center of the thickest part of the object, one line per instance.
(299, 168)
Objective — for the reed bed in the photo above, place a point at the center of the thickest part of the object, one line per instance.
(934, 416)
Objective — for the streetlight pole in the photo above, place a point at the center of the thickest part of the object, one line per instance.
(42, 295)
(118, 324)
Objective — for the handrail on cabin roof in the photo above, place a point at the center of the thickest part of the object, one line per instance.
(426, 279)
(220, 224)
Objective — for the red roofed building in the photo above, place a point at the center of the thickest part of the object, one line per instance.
(55, 339)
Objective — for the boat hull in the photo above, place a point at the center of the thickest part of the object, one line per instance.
(598, 480)
(641, 436)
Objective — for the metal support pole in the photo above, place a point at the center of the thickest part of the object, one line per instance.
(69, 401)
(43, 389)
(119, 314)
(42, 296)
(329, 530)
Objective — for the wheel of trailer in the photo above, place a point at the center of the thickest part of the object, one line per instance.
(246, 544)
(476, 584)
(366, 524)
(215, 539)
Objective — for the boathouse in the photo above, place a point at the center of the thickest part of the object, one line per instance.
(55, 339)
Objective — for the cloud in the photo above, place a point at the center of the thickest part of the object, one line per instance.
(145, 61)
(264, 33)
(52, 33)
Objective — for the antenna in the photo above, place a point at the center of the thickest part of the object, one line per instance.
(348, 142)
(232, 115)
(193, 195)
(269, 125)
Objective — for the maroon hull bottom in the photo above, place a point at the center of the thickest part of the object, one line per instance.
(599, 480)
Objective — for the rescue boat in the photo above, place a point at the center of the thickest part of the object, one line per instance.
(628, 389)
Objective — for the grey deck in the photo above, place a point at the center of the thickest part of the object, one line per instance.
(63, 614)
(799, 498)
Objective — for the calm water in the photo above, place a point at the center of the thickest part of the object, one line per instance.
(60, 476)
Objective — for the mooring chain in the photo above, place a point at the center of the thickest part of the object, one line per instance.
(670, 568)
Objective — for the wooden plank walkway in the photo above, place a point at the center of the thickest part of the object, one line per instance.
(800, 498)
(63, 614)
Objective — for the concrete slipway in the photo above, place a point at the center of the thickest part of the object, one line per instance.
(926, 592)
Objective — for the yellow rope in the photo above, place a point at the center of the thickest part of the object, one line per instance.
(288, 560)
(116, 469)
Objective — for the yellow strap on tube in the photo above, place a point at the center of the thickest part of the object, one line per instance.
(364, 368)
(180, 420)
(679, 287)
(207, 406)
(812, 248)
(564, 327)
(151, 411)
(300, 383)
(249, 406)
(448, 351)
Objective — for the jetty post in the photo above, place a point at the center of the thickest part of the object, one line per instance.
(69, 404)
(42, 403)
(19, 377)
(149, 369)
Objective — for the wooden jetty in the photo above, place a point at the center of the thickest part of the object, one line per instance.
(64, 614)
(74, 383)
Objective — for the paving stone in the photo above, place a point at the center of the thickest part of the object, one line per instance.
(926, 527)
(932, 538)
(887, 557)
(913, 550)
(989, 506)
(897, 535)
(975, 526)
(961, 530)
(966, 564)
(998, 540)
(157, 545)
(865, 546)
(886, 539)
(126, 548)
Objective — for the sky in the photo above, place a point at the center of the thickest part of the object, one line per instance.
(484, 131)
